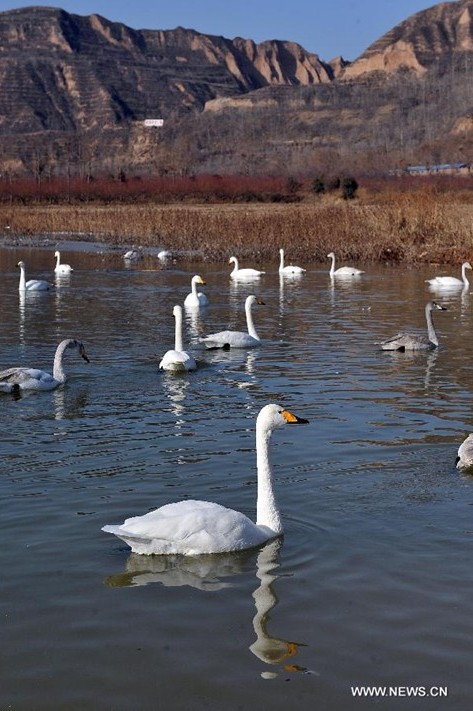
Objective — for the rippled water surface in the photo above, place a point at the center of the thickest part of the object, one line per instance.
(372, 581)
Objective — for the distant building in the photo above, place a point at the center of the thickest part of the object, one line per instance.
(153, 123)
(443, 168)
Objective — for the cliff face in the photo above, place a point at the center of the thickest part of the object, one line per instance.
(75, 92)
(419, 42)
(66, 72)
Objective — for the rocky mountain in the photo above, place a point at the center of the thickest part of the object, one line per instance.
(76, 91)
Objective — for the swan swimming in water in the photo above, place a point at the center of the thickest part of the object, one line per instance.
(449, 281)
(465, 454)
(32, 284)
(415, 341)
(33, 379)
(132, 255)
(290, 269)
(177, 360)
(196, 298)
(247, 273)
(200, 527)
(61, 268)
(342, 271)
(237, 339)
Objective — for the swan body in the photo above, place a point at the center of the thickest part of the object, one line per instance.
(32, 284)
(61, 268)
(164, 254)
(415, 341)
(237, 339)
(465, 453)
(132, 255)
(237, 273)
(290, 269)
(177, 360)
(201, 527)
(449, 281)
(33, 379)
(342, 271)
(196, 298)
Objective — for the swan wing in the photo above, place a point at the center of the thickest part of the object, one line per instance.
(406, 341)
(178, 361)
(233, 339)
(28, 378)
(38, 285)
(445, 281)
(189, 528)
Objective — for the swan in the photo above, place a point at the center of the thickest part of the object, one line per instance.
(449, 281)
(464, 459)
(414, 341)
(164, 254)
(32, 284)
(290, 269)
(237, 339)
(196, 298)
(242, 273)
(200, 527)
(177, 360)
(61, 268)
(133, 255)
(342, 271)
(13, 379)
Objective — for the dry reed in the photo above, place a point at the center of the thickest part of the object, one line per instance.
(399, 227)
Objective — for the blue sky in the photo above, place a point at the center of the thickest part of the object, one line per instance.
(327, 27)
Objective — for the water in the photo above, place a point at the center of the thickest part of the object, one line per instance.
(372, 582)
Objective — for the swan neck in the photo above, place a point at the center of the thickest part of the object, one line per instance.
(464, 276)
(22, 285)
(249, 321)
(194, 287)
(178, 332)
(58, 259)
(235, 264)
(332, 268)
(267, 513)
(58, 370)
(430, 325)
(281, 261)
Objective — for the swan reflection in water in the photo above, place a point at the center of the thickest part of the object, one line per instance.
(210, 573)
(175, 390)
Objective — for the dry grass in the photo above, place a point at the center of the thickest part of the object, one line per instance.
(399, 226)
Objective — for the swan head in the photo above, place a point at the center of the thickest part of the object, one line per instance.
(435, 305)
(331, 255)
(252, 299)
(467, 265)
(198, 279)
(281, 252)
(232, 260)
(74, 343)
(177, 311)
(273, 416)
(21, 265)
(57, 254)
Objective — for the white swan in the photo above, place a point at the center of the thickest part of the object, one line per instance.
(415, 341)
(248, 273)
(196, 298)
(290, 269)
(177, 360)
(132, 255)
(342, 271)
(449, 281)
(61, 268)
(164, 254)
(201, 527)
(465, 453)
(237, 339)
(34, 379)
(32, 284)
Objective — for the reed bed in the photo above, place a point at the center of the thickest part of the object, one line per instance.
(404, 227)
